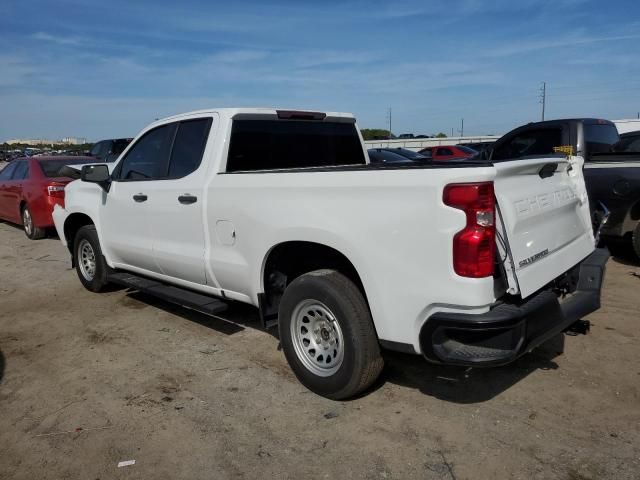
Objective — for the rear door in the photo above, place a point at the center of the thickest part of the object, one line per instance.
(177, 204)
(543, 210)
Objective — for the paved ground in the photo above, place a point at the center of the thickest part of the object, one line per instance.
(94, 379)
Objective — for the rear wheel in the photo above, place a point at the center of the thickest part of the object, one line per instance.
(30, 230)
(91, 267)
(327, 335)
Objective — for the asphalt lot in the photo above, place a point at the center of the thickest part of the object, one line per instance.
(89, 380)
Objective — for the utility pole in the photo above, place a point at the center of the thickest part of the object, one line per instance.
(543, 97)
(452, 131)
(462, 127)
(389, 116)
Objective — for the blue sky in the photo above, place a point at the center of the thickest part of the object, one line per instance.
(107, 68)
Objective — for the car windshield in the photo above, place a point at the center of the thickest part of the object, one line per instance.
(468, 150)
(51, 168)
(385, 156)
(410, 154)
(628, 143)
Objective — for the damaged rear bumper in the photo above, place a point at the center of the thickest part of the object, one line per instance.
(507, 331)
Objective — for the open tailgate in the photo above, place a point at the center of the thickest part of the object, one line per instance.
(544, 211)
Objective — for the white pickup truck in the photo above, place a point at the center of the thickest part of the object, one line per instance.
(464, 263)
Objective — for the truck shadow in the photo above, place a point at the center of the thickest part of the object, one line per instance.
(622, 252)
(233, 320)
(452, 384)
(467, 385)
(2, 364)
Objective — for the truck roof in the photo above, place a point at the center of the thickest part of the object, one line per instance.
(231, 112)
(589, 121)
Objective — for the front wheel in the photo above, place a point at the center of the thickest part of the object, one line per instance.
(30, 230)
(327, 335)
(91, 267)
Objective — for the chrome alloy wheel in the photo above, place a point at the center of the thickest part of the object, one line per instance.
(86, 259)
(27, 221)
(317, 338)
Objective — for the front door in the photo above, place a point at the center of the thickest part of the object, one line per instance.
(125, 221)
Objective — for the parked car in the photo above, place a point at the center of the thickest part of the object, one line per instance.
(383, 155)
(405, 136)
(29, 189)
(108, 150)
(477, 146)
(629, 142)
(282, 210)
(612, 176)
(379, 155)
(448, 152)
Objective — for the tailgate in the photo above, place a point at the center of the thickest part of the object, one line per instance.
(545, 216)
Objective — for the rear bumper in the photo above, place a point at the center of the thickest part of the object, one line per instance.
(507, 331)
(59, 215)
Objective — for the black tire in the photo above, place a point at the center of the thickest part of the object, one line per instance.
(86, 239)
(635, 240)
(30, 230)
(361, 362)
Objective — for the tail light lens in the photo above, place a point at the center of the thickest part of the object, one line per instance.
(474, 246)
(55, 190)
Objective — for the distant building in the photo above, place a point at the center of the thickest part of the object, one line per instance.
(30, 141)
(74, 140)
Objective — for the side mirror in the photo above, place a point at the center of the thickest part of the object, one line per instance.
(96, 174)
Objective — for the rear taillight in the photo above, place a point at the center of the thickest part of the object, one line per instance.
(55, 190)
(474, 246)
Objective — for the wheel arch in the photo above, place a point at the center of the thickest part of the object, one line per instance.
(287, 260)
(72, 224)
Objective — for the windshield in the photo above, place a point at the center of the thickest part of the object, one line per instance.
(385, 156)
(467, 149)
(410, 154)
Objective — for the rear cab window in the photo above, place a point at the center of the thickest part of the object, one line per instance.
(266, 144)
(600, 137)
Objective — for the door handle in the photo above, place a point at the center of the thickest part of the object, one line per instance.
(187, 199)
(140, 197)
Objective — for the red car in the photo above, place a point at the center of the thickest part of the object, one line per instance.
(30, 187)
(448, 152)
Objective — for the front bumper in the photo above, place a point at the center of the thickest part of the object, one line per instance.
(507, 331)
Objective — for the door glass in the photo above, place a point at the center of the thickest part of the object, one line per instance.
(188, 147)
(95, 150)
(149, 157)
(7, 172)
(21, 171)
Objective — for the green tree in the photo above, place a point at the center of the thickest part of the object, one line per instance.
(376, 134)
(441, 135)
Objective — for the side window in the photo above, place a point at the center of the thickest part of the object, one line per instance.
(21, 171)
(444, 151)
(7, 172)
(533, 142)
(95, 150)
(148, 159)
(188, 147)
